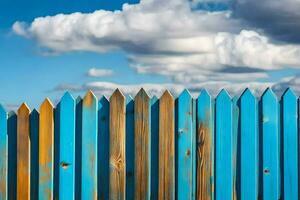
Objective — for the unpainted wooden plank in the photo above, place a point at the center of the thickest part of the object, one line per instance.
(224, 139)
(67, 148)
(166, 180)
(142, 138)
(117, 146)
(249, 146)
(270, 146)
(46, 150)
(185, 146)
(89, 146)
(205, 147)
(23, 153)
(290, 145)
(3, 153)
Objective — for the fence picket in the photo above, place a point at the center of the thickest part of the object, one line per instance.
(271, 152)
(3, 153)
(166, 182)
(205, 147)
(185, 145)
(224, 139)
(34, 153)
(46, 150)
(249, 146)
(23, 153)
(117, 146)
(12, 155)
(103, 149)
(67, 148)
(290, 145)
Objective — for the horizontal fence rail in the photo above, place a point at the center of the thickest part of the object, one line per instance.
(151, 148)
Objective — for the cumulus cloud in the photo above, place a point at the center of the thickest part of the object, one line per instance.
(94, 72)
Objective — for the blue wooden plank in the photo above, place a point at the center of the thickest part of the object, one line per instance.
(129, 147)
(34, 154)
(224, 162)
(270, 139)
(290, 145)
(78, 147)
(56, 150)
(89, 146)
(185, 146)
(249, 146)
(103, 149)
(67, 148)
(205, 146)
(3, 153)
(235, 146)
(154, 147)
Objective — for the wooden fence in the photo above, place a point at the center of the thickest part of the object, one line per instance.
(207, 148)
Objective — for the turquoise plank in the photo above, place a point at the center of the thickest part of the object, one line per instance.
(235, 146)
(224, 161)
(67, 148)
(154, 147)
(34, 153)
(12, 155)
(249, 146)
(3, 153)
(205, 144)
(185, 146)
(89, 147)
(270, 139)
(103, 149)
(290, 145)
(129, 147)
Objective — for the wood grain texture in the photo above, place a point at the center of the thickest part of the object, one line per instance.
(166, 182)
(185, 147)
(142, 138)
(117, 146)
(67, 148)
(46, 150)
(89, 147)
(270, 145)
(23, 153)
(290, 145)
(3, 153)
(205, 147)
(224, 141)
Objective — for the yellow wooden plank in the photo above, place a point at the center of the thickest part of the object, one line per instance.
(166, 182)
(117, 146)
(23, 153)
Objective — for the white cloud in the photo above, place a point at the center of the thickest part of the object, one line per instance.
(94, 72)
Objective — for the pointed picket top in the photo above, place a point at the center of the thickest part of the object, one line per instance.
(103, 100)
(67, 97)
(117, 95)
(46, 104)
(24, 108)
(289, 93)
(154, 98)
(78, 99)
(185, 94)
(224, 95)
(204, 94)
(269, 94)
(247, 94)
(142, 94)
(2, 110)
(89, 99)
(167, 95)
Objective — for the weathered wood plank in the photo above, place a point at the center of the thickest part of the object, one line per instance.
(224, 139)
(3, 153)
(117, 146)
(103, 149)
(185, 145)
(142, 138)
(46, 150)
(249, 146)
(235, 147)
(23, 153)
(12, 155)
(290, 145)
(154, 147)
(166, 182)
(205, 147)
(270, 139)
(89, 147)
(67, 148)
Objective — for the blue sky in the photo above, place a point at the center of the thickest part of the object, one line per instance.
(154, 44)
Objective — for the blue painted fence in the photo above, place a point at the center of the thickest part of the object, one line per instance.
(204, 148)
